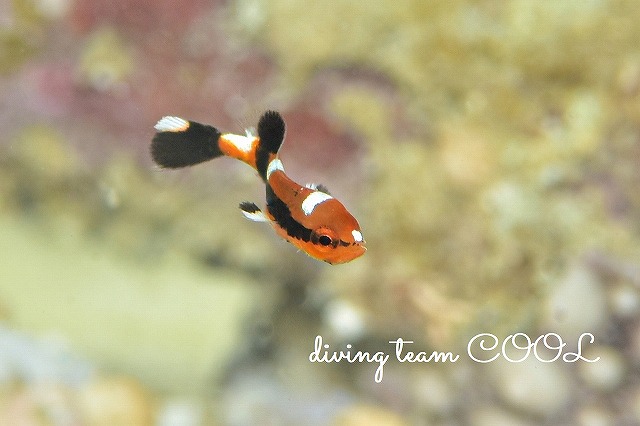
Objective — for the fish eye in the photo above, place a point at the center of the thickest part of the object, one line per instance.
(325, 240)
(325, 237)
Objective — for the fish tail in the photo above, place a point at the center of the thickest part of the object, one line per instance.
(181, 143)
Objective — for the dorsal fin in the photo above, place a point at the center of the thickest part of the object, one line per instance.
(271, 130)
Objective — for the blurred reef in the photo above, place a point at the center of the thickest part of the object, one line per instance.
(490, 150)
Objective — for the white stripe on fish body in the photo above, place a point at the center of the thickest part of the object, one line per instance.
(171, 124)
(243, 143)
(313, 200)
(274, 165)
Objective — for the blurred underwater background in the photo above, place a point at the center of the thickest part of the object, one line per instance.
(489, 149)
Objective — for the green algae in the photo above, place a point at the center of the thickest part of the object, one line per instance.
(26, 33)
(88, 255)
(174, 318)
(105, 61)
(15, 49)
(498, 187)
(464, 221)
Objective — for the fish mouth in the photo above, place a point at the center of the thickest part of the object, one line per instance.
(355, 251)
(361, 249)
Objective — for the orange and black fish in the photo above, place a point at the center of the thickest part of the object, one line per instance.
(306, 216)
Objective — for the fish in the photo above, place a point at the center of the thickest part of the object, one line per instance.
(306, 216)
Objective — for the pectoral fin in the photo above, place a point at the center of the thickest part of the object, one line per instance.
(318, 187)
(253, 212)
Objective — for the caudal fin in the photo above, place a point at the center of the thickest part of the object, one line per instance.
(271, 130)
(182, 143)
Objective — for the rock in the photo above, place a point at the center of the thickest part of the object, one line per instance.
(115, 401)
(23, 357)
(532, 386)
(434, 391)
(624, 301)
(493, 416)
(172, 325)
(345, 319)
(577, 304)
(365, 415)
(607, 373)
(180, 412)
(594, 415)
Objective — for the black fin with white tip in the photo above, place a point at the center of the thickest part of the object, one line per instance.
(182, 143)
(253, 212)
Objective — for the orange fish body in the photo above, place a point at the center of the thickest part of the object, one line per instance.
(306, 216)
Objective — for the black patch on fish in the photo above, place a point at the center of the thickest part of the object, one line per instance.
(196, 144)
(282, 215)
(271, 130)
